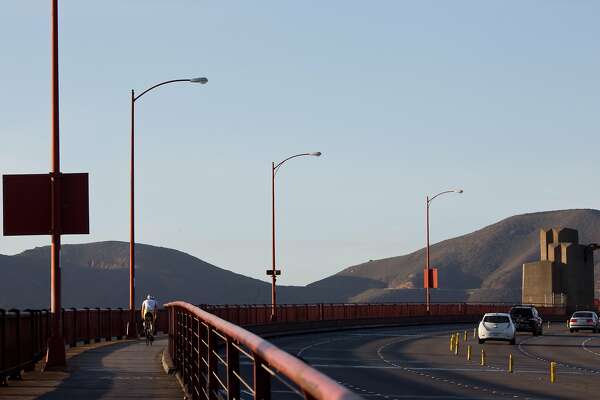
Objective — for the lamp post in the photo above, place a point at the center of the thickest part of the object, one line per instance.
(429, 200)
(132, 331)
(55, 355)
(274, 272)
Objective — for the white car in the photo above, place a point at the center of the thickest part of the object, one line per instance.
(497, 326)
(581, 320)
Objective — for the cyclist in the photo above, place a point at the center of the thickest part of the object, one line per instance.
(150, 312)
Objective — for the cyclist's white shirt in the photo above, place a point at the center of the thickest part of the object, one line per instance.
(149, 305)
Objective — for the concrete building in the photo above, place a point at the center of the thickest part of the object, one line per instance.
(565, 273)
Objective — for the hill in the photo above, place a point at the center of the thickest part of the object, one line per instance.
(98, 274)
(485, 265)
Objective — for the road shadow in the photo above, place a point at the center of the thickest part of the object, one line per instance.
(88, 377)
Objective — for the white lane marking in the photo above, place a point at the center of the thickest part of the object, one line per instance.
(382, 334)
(302, 350)
(362, 360)
(356, 388)
(422, 396)
(448, 381)
(585, 342)
(449, 369)
(406, 337)
(272, 391)
(546, 360)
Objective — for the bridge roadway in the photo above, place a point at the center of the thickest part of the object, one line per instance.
(385, 363)
(416, 363)
(107, 370)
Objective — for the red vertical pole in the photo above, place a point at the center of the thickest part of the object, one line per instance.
(427, 294)
(274, 277)
(132, 331)
(55, 356)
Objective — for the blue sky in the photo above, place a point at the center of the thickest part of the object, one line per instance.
(404, 99)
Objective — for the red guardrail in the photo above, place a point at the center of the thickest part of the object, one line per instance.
(23, 337)
(206, 350)
(23, 334)
(259, 314)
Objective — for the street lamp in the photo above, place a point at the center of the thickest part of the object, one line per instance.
(274, 272)
(132, 331)
(429, 200)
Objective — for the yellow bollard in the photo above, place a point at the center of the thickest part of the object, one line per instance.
(552, 372)
(456, 344)
(482, 357)
(475, 333)
(451, 342)
(465, 336)
(548, 324)
(469, 352)
(510, 363)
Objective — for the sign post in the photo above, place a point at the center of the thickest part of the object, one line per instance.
(49, 204)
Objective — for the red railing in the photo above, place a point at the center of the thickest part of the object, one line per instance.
(23, 337)
(260, 314)
(207, 351)
(23, 334)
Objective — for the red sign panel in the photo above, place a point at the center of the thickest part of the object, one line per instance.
(27, 204)
(430, 280)
(75, 213)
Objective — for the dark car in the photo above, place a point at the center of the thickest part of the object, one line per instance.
(527, 319)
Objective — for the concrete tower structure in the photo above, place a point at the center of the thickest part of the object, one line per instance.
(565, 273)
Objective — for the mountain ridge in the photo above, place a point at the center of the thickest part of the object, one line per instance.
(483, 265)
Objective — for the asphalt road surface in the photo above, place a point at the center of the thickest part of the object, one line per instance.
(416, 363)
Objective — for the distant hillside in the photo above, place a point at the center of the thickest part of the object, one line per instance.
(481, 266)
(98, 274)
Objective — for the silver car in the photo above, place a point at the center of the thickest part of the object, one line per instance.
(581, 320)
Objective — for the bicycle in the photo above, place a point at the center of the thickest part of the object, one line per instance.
(149, 330)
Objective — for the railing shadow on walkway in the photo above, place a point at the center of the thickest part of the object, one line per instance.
(102, 371)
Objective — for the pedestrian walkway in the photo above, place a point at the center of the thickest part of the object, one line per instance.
(109, 370)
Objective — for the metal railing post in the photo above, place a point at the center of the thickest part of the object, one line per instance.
(62, 322)
(212, 365)
(262, 380)
(185, 350)
(171, 332)
(177, 342)
(35, 343)
(29, 366)
(120, 331)
(98, 337)
(233, 368)
(17, 374)
(196, 345)
(2, 345)
(108, 332)
(75, 336)
(46, 329)
(86, 339)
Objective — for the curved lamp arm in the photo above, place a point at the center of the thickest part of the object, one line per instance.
(193, 80)
(429, 200)
(314, 154)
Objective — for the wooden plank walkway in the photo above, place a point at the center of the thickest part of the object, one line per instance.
(109, 370)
